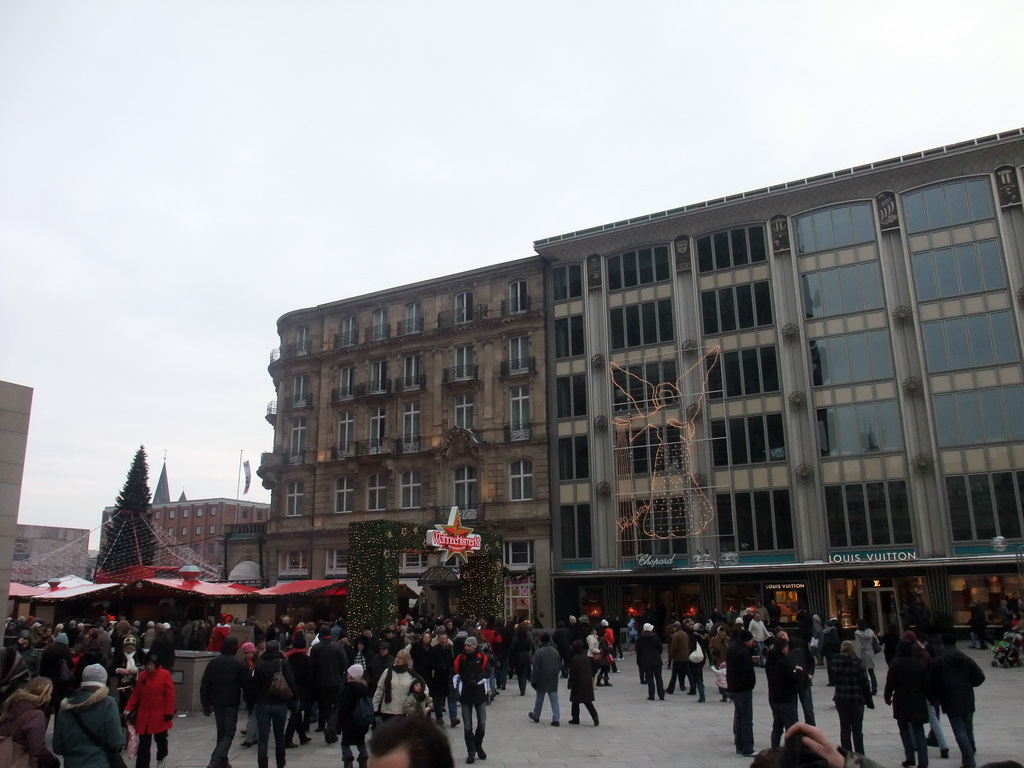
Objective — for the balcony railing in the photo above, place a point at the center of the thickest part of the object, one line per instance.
(515, 432)
(380, 446)
(411, 383)
(344, 450)
(302, 400)
(347, 338)
(460, 373)
(410, 444)
(474, 513)
(374, 387)
(295, 458)
(461, 315)
(412, 325)
(272, 408)
(340, 394)
(377, 333)
(518, 367)
(515, 306)
(245, 530)
(295, 349)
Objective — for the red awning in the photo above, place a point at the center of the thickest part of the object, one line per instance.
(23, 590)
(204, 588)
(75, 593)
(305, 587)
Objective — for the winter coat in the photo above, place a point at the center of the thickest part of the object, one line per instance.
(223, 679)
(152, 700)
(217, 636)
(547, 669)
(520, 653)
(27, 726)
(441, 661)
(472, 670)
(718, 647)
(418, 706)
(784, 679)
(679, 646)
(98, 712)
(851, 680)
(953, 677)
(421, 658)
(353, 691)
(648, 651)
(329, 664)
(739, 667)
(400, 682)
(581, 679)
(801, 656)
(865, 647)
(906, 688)
(831, 640)
(263, 676)
(563, 642)
(302, 669)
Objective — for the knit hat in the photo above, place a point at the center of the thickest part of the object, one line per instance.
(61, 638)
(470, 642)
(356, 671)
(94, 674)
(248, 648)
(648, 627)
(739, 620)
(604, 622)
(299, 641)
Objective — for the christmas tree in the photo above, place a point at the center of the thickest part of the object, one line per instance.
(127, 539)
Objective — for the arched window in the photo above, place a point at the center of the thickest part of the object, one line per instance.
(465, 488)
(521, 480)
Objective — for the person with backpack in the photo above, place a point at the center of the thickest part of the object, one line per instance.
(355, 716)
(831, 643)
(270, 705)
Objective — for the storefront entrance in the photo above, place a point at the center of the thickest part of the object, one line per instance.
(878, 606)
(901, 601)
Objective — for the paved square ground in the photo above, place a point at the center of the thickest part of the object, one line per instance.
(635, 732)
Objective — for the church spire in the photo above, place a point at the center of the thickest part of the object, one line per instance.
(162, 494)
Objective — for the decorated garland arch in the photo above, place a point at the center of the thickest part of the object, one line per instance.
(374, 554)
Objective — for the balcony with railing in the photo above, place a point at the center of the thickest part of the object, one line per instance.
(380, 446)
(460, 373)
(516, 306)
(272, 412)
(347, 338)
(374, 388)
(517, 432)
(411, 383)
(295, 349)
(245, 530)
(343, 450)
(295, 458)
(410, 444)
(474, 513)
(462, 315)
(518, 367)
(411, 325)
(302, 400)
(341, 394)
(377, 333)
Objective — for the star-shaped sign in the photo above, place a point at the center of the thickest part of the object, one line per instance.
(454, 539)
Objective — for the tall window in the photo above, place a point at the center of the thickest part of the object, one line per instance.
(346, 432)
(294, 561)
(413, 318)
(850, 358)
(636, 385)
(302, 341)
(842, 290)
(464, 307)
(378, 427)
(850, 430)
(731, 248)
(948, 205)
(743, 373)
(464, 406)
(346, 381)
(300, 391)
(344, 495)
(412, 372)
(568, 281)
(960, 269)
(521, 480)
(834, 228)
(337, 561)
(464, 362)
(518, 553)
(868, 514)
(411, 427)
(376, 493)
(748, 440)
(990, 415)
(641, 324)
(379, 381)
(640, 267)
(571, 395)
(575, 527)
(975, 341)
(464, 485)
(983, 506)
(569, 337)
(736, 307)
(519, 407)
(348, 334)
(380, 328)
(758, 521)
(519, 354)
(293, 499)
(518, 298)
(573, 458)
(409, 484)
(298, 437)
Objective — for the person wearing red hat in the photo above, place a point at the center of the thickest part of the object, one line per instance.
(222, 630)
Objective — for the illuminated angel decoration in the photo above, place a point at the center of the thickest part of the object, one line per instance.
(652, 440)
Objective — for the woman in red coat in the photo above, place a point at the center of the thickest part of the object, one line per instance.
(151, 709)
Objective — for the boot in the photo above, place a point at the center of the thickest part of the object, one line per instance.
(263, 762)
(362, 762)
(347, 764)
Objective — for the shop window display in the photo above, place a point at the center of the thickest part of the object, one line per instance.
(990, 591)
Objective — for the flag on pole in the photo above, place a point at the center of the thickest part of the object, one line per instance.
(248, 476)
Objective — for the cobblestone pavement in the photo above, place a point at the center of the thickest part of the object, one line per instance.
(633, 731)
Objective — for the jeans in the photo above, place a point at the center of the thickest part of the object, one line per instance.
(936, 725)
(914, 742)
(346, 751)
(145, 744)
(963, 732)
(654, 681)
(501, 673)
(743, 721)
(807, 704)
(538, 705)
(227, 723)
(851, 724)
(474, 739)
(252, 728)
(271, 715)
(783, 716)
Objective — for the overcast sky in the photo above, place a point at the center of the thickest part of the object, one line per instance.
(175, 176)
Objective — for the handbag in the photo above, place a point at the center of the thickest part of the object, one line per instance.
(15, 755)
(114, 759)
(876, 647)
(813, 645)
(697, 654)
(131, 748)
(279, 687)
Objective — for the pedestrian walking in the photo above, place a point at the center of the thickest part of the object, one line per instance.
(442, 668)
(739, 663)
(953, 676)
(271, 708)
(472, 673)
(906, 690)
(852, 694)
(354, 695)
(329, 664)
(544, 678)
(87, 728)
(784, 681)
(520, 655)
(305, 693)
(867, 646)
(648, 658)
(581, 683)
(23, 721)
(831, 642)
(220, 693)
(393, 687)
(678, 657)
(151, 709)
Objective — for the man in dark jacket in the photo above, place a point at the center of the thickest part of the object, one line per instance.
(648, 658)
(953, 676)
(801, 656)
(678, 657)
(220, 692)
(739, 671)
(271, 711)
(441, 661)
(471, 667)
(163, 646)
(563, 642)
(302, 668)
(547, 667)
(784, 680)
(329, 665)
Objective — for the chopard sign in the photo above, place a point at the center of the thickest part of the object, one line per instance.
(650, 561)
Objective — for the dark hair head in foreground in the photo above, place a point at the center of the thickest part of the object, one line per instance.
(410, 742)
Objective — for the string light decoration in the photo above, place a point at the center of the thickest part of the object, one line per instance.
(661, 492)
(374, 550)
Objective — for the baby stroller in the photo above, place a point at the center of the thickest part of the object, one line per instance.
(1006, 653)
